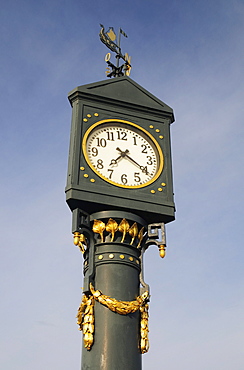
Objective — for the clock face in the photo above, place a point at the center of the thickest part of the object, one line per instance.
(122, 153)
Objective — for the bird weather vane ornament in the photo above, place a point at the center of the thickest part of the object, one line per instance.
(109, 39)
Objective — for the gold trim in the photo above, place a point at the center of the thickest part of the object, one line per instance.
(158, 148)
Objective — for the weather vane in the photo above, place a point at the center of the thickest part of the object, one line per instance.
(109, 39)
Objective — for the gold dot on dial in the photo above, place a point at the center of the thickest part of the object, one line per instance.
(122, 256)
(96, 114)
(151, 126)
(131, 258)
(163, 184)
(88, 115)
(82, 168)
(157, 130)
(161, 137)
(85, 119)
(92, 180)
(100, 257)
(86, 175)
(111, 255)
(153, 191)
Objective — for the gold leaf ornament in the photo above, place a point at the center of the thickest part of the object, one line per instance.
(133, 231)
(124, 228)
(140, 237)
(99, 227)
(111, 228)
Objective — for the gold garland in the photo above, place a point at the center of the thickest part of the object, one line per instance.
(85, 320)
(85, 314)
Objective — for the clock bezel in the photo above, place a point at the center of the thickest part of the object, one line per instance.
(127, 123)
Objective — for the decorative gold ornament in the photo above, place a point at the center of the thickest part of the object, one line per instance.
(133, 231)
(140, 237)
(121, 307)
(85, 320)
(124, 228)
(125, 308)
(80, 241)
(99, 227)
(162, 251)
(144, 345)
(111, 227)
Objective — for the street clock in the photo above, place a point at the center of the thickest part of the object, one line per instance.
(120, 157)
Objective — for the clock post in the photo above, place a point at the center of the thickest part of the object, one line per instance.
(119, 189)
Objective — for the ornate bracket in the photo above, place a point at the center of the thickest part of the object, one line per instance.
(82, 234)
(157, 235)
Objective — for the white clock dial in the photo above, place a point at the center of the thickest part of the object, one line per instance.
(122, 153)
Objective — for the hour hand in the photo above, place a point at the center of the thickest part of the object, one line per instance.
(115, 161)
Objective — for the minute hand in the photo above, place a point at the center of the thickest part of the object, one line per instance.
(137, 164)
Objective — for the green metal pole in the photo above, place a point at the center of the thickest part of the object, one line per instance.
(117, 268)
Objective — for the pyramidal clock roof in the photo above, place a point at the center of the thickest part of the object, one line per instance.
(124, 90)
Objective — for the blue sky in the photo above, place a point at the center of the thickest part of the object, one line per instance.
(190, 55)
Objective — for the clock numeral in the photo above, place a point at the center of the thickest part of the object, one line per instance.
(144, 150)
(110, 136)
(137, 177)
(122, 135)
(124, 179)
(99, 164)
(94, 151)
(135, 143)
(111, 172)
(149, 162)
(101, 142)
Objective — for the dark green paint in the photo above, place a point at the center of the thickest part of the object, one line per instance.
(116, 337)
(120, 98)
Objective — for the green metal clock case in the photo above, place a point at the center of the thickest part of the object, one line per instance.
(119, 98)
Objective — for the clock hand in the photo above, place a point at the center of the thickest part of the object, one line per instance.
(143, 169)
(115, 161)
(122, 155)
